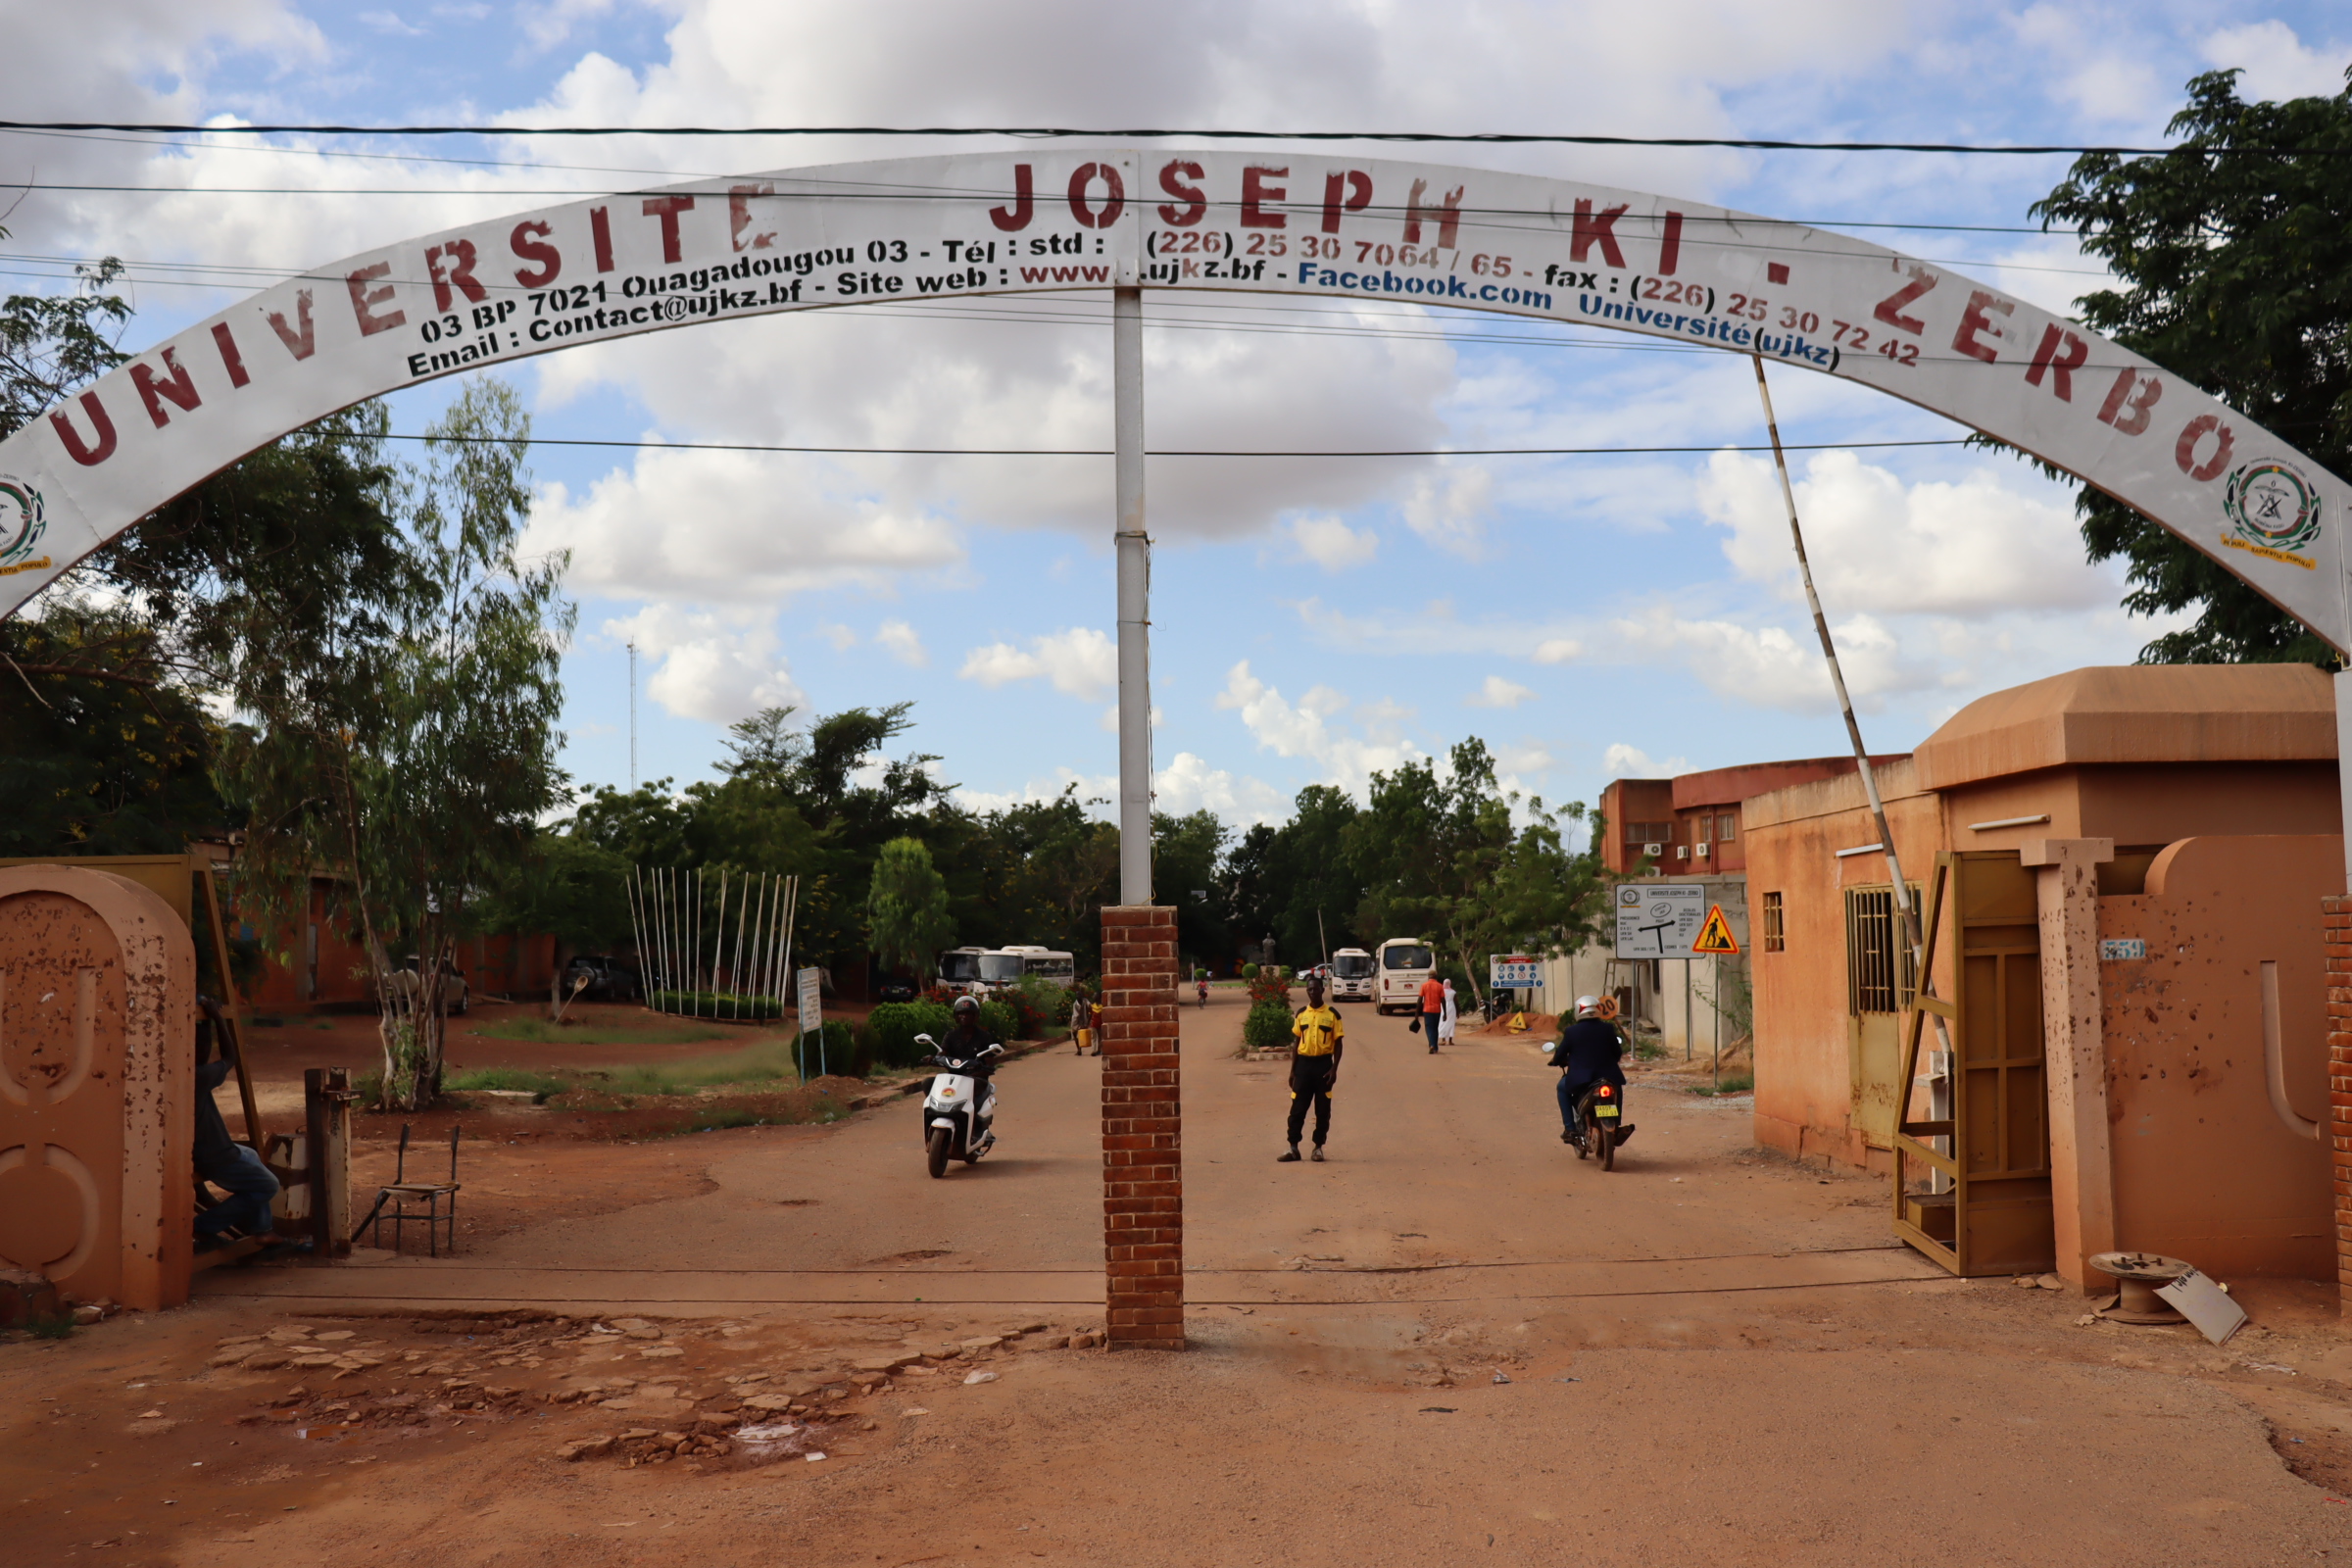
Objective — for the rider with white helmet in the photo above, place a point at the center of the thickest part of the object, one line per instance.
(1591, 1050)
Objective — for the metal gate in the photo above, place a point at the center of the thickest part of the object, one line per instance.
(1988, 1136)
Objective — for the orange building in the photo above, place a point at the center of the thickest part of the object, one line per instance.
(1690, 825)
(2130, 965)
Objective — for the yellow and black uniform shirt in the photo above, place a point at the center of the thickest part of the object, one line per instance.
(1316, 1031)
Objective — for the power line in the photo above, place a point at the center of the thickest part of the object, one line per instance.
(1155, 451)
(1056, 132)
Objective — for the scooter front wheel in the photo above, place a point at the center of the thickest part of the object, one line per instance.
(937, 1151)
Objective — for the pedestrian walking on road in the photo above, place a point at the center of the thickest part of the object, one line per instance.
(1082, 1019)
(1316, 1041)
(1446, 1019)
(1433, 1008)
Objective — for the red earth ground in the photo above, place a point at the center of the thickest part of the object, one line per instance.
(1451, 1341)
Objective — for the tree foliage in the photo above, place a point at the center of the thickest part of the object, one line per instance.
(2236, 270)
(906, 915)
(416, 748)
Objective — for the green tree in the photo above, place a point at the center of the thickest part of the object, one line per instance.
(565, 884)
(1441, 855)
(1297, 884)
(1187, 855)
(52, 345)
(907, 915)
(421, 759)
(2234, 250)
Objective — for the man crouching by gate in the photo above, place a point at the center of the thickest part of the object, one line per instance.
(1316, 1040)
(1591, 1050)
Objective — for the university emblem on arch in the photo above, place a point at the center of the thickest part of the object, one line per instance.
(22, 522)
(2273, 509)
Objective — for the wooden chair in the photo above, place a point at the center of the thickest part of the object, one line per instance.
(402, 1191)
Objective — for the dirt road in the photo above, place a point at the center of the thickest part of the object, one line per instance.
(1454, 1340)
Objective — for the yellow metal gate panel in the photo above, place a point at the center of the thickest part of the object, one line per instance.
(1990, 1211)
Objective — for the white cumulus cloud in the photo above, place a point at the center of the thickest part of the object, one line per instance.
(710, 668)
(1080, 663)
(1500, 693)
(1331, 543)
(2278, 64)
(1621, 761)
(905, 643)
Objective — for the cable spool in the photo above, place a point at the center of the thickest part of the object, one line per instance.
(2137, 1276)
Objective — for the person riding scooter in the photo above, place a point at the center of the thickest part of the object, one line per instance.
(1589, 1049)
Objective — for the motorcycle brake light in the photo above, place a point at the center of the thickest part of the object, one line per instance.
(1604, 1091)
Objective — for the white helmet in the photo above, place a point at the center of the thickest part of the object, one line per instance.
(1587, 1006)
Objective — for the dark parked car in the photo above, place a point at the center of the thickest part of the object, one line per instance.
(608, 979)
(897, 988)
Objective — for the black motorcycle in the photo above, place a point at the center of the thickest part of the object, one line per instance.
(1602, 1127)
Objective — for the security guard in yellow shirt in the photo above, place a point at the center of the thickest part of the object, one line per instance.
(1316, 1040)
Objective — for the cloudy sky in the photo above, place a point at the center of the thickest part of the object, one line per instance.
(1315, 619)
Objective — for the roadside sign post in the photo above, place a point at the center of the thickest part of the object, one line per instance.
(813, 1022)
(1715, 939)
(1513, 971)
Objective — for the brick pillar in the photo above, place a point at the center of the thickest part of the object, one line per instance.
(2335, 920)
(1143, 1118)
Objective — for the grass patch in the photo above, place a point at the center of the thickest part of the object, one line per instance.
(543, 1085)
(1736, 1084)
(1648, 1047)
(538, 1031)
(763, 1061)
(45, 1326)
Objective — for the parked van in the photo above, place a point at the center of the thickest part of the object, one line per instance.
(1351, 975)
(1001, 968)
(1403, 962)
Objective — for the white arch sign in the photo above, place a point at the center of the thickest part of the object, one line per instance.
(713, 251)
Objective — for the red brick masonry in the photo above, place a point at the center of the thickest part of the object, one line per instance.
(1143, 1124)
(2336, 919)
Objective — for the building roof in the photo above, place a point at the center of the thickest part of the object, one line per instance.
(2136, 713)
(1728, 786)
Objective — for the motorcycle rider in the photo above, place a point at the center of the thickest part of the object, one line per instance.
(1591, 1050)
(966, 1039)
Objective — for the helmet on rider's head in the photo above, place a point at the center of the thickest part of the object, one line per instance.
(1587, 1007)
(967, 1008)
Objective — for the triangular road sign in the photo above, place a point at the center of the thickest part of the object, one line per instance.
(1716, 935)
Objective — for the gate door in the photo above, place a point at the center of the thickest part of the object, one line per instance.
(1993, 1216)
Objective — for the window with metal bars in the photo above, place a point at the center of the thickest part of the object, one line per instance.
(1877, 958)
(1776, 934)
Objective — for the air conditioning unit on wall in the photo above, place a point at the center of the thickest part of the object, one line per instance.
(1681, 851)
(1653, 851)
(1702, 852)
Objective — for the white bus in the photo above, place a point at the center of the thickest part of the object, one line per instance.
(1351, 974)
(960, 969)
(1001, 968)
(1403, 962)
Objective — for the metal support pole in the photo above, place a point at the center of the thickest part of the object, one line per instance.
(1915, 939)
(1135, 598)
(1690, 1019)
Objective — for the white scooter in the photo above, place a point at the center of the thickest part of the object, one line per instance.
(960, 1110)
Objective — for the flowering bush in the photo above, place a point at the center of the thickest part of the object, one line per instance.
(1270, 984)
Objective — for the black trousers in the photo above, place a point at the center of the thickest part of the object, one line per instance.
(1310, 1080)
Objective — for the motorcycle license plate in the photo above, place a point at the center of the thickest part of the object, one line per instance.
(1607, 1112)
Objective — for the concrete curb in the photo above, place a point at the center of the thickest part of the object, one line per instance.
(922, 1081)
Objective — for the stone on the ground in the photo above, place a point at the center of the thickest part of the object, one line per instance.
(656, 1353)
(885, 1363)
(636, 1328)
(979, 1377)
(984, 1341)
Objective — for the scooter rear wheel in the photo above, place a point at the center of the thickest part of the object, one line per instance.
(937, 1151)
(1603, 1140)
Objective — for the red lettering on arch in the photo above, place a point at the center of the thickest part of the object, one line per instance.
(1011, 219)
(2130, 400)
(667, 209)
(2184, 450)
(301, 344)
(363, 300)
(179, 390)
(450, 265)
(1256, 193)
(1974, 322)
(529, 243)
(232, 360)
(1358, 186)
(600, 231)
(1591, 231)
(740, 232)
(89, 457)
(2060, 353)
(1176, 179)
(1891, 308)
(1114, 195)
(1670, 245)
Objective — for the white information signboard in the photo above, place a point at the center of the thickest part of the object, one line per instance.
(1513, 971)
(812, 1012)
(1659, 919)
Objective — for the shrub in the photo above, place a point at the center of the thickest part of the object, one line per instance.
(838, 1054)
(998, 1019)
(1268, 1027)
(715, 1004)
(1248, 971)
(1042, 1005)
(892, 1026)
(1269, 984)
